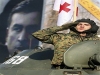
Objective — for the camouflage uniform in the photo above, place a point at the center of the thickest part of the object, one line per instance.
(61, 41)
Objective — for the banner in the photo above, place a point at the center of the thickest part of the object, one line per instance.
(92, 8)
(18, 20)
(66, 9)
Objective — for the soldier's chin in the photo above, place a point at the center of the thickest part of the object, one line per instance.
(80, 31)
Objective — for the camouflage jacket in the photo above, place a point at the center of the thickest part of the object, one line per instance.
(61, 41)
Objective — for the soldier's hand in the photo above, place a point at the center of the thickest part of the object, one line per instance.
(68, 25)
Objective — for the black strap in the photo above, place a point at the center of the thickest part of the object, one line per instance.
(91, 64)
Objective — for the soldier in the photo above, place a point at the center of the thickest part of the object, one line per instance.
(80, 30)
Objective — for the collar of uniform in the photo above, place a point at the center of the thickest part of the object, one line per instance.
(76, 34)
(73, 33)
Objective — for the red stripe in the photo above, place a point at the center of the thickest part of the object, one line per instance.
(77, 11)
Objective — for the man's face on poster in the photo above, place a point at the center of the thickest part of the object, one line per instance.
(20, 29)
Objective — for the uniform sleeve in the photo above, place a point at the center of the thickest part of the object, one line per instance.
(46, 35)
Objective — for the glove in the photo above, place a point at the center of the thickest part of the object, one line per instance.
(68, 25)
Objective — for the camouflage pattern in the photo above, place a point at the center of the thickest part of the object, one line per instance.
(61, 41)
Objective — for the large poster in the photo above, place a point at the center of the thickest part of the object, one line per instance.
(18, 20)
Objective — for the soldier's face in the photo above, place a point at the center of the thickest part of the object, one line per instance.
(20, 30)
(83, 26)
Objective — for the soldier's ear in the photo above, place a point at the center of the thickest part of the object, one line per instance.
(94, 29)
